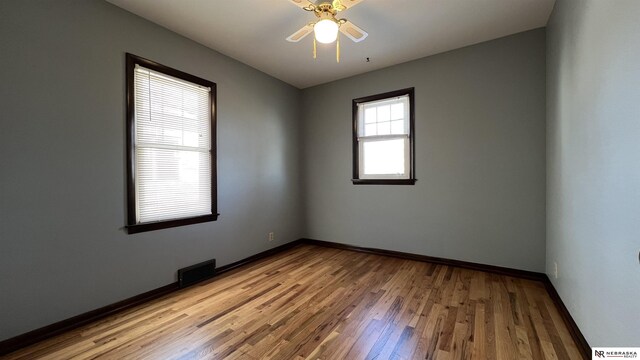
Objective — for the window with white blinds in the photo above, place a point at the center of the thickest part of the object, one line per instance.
(383, 137)
(171, 150)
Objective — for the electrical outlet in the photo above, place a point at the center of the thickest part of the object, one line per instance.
(271, 236)
(555, 270)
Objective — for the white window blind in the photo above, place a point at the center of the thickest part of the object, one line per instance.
(172, 145)
(383, 139)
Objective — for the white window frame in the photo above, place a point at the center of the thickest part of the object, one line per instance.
(363, 139)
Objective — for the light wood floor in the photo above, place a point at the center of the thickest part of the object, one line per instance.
(320, 303)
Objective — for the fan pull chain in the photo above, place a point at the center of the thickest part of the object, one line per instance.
(315, 50)
(338, 49)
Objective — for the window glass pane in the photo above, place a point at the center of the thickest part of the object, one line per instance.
(168, 110)
(370, 130)
(172, 183)
(397, 111)
(384, 128)
(370, 115)
(384, 157)
(397, 127)
(190, 138)
(384, 113)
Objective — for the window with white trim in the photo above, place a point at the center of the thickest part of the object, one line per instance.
(170, 147)
(383, 138)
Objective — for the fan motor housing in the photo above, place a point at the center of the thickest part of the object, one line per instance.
(325, 8)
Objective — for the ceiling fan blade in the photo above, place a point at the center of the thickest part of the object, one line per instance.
(301, 34)
(303, 4)
(344, 4)
(353, 32)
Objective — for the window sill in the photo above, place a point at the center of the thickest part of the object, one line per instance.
(383, 181)
(138, 228)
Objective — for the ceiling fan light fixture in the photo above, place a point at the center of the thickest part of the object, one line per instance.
(326, 31)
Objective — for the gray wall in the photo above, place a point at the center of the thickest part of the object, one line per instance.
(593, 165)
(480, 158)
(62, 189)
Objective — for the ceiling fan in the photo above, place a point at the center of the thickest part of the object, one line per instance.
(326, 27)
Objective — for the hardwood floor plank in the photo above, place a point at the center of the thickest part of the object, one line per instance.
(479, 339)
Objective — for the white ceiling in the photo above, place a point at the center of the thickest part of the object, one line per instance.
(254, 31)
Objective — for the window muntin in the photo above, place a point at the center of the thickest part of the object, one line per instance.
(170, 148)
(383, 138)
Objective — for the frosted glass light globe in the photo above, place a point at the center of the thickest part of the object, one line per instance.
(326, 31)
